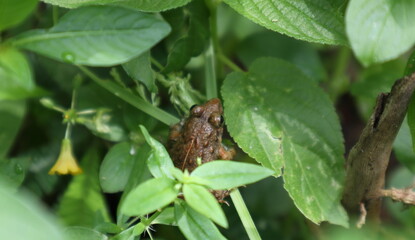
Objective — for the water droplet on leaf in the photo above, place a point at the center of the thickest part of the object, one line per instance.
(68, 57)
(18, 168)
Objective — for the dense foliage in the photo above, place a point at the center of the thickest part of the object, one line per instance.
(89, 88)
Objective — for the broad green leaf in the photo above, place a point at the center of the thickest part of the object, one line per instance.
(166, 217)
(143, 5)
(283, 119)
(201, 200)
(82, 203)
(96, 36)
(139, 69)
(18, 210)
(222, 174)
(12, 113)
(403, 147)
(150, 196)
(159, 161)
(194, 225)
(13, 12)
(16, 80)
(153, 5)
(318, 21)
(194, 41)
(139, 174)
(127, 234)
(271, 44)
(116, 168)
(380, 30)
(83, 233)
(108, 227)
(13, 171)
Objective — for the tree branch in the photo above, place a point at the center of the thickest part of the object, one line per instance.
(405, 195)
(367, 161)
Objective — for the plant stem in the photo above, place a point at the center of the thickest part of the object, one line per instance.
(132, 99)
(210, 73)
(68, 130)
(213, 66)
(157, 64)
(229, 63)
(244, 215)
(55, 15)
(339, 82)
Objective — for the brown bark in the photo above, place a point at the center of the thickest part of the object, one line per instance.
(368, 159)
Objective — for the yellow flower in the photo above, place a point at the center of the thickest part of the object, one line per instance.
(66, 163)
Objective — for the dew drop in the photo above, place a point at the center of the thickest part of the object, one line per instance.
(18, 168)
(68, 57)
(132, 151)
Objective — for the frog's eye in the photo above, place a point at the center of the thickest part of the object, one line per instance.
(193, 106)
(216, 120)
(196, 110)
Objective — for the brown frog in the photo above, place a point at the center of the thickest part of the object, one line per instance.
(199, 136)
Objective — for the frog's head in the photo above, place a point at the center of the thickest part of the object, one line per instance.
(210, 112)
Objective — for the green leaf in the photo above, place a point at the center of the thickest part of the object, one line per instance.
(108, 227)
(13, 12)
(83, 233)
(13, 171)
(201, 200)
(194, 225)
(12, 113)
(82, 203)
(143, 5)
(380, 30)
(127, 234)
(139, 174)
(403, 147)
(16, 80)
(116, 168)
(318, 21)
(21, 209)
(96, 36)
(153, 5)
(139, 69)
(159, 161)
(166, 217)
(149, 196)
(222, 174)
(283, 119)
(194, 42)
(271, 44)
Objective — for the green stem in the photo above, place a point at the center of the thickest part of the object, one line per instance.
(210, 74)
(157, 64)
(148, 221)
(132, 99)
(229, 63)
(213, 66)
(339, 82)
(55, 15)
(244, 215)
(68, 130)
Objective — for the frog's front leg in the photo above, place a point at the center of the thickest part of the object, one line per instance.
(226, 153)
